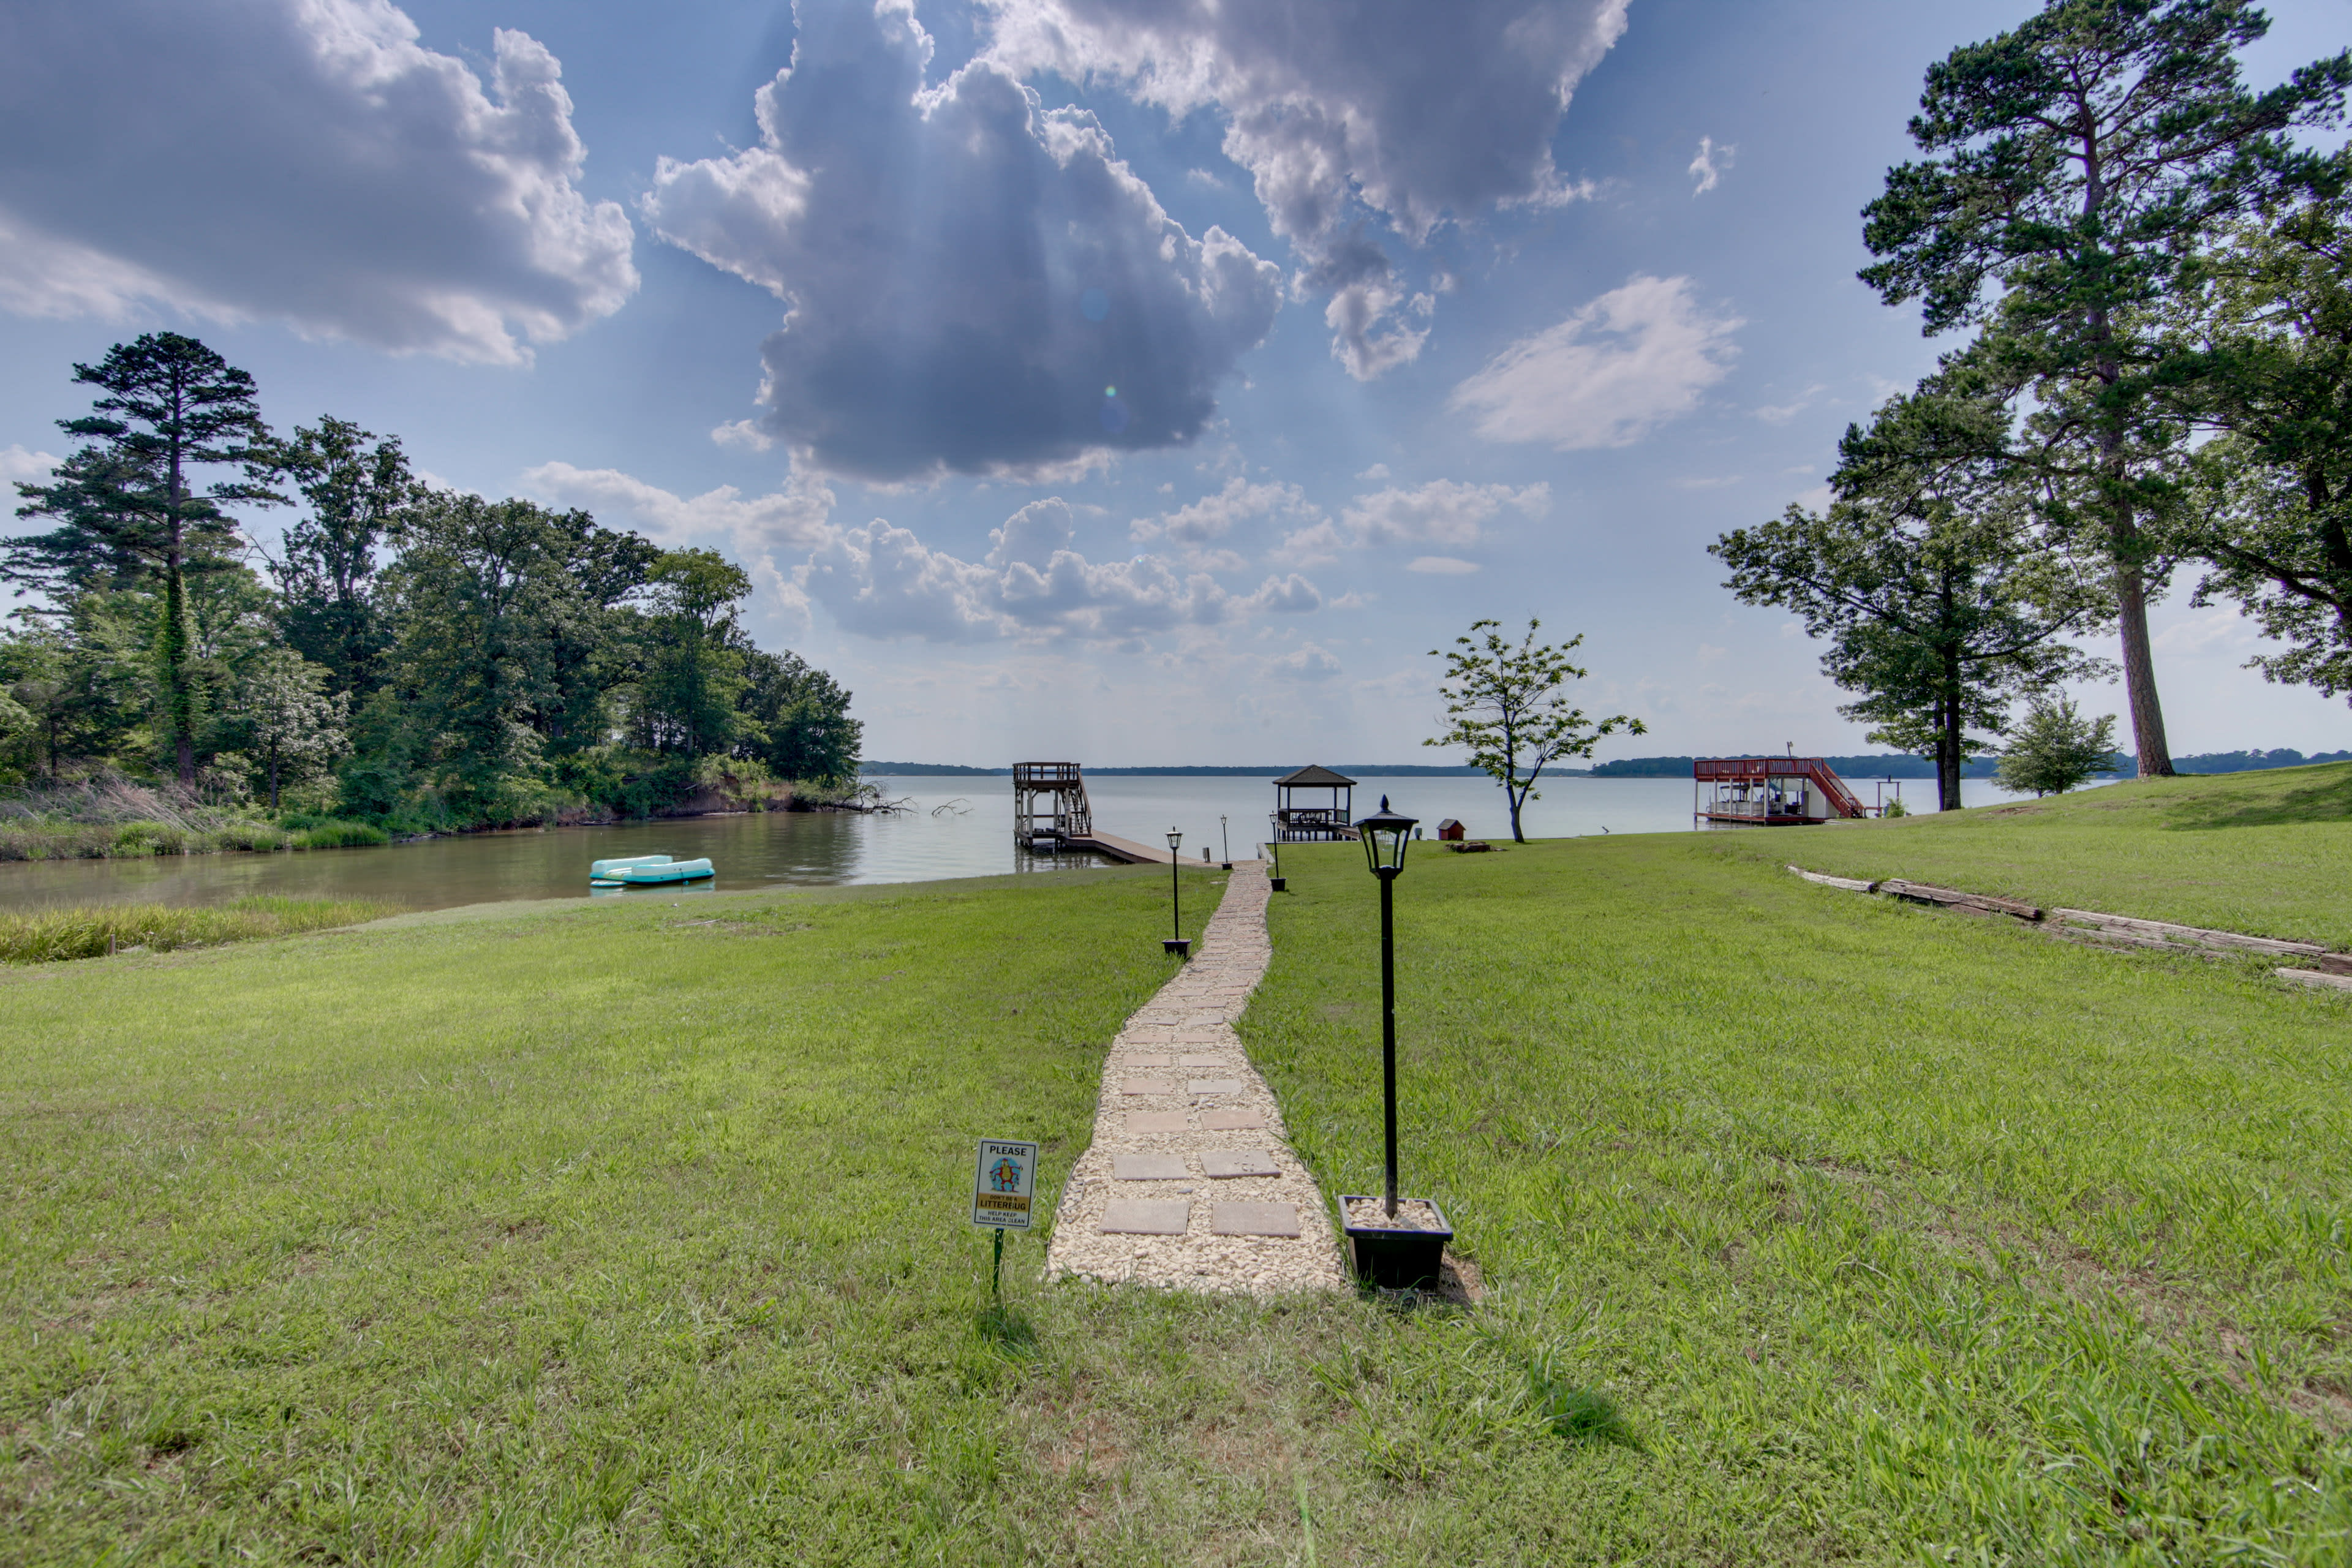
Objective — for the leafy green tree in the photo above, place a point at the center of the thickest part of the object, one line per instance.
(693, 678)
(170, 407)
(294, 725)
(357, 495)
(795, 719)
(1506, 708)
(2266, 363)
(2056, 748)
(505, 614)
(2076, 162)
(78, 686)
(1938, 604)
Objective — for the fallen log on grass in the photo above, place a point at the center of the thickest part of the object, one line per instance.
(1848, 883)
(2166, 931)
(1953, 898)
(2341, 982)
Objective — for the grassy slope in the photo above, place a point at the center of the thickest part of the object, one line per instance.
(2266, 853)
(608, 1232)
(1872, 1228)
(1818, 1228)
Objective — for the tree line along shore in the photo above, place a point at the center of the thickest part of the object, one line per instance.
(404, 659)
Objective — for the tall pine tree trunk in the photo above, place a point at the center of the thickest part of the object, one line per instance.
(1947, 741)
(173, 641)
(2139, 662)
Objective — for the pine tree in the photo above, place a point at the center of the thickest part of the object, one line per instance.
(2077, 160)
(129, 503)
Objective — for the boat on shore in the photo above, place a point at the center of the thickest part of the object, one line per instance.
(646, 870)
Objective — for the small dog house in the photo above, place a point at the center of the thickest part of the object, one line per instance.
(1450, 830)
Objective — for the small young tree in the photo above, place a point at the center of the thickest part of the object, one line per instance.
(2054, 748)
(296, 724)
(1506, 709)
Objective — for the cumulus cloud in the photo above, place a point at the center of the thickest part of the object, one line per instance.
(1709, 168)
(1214, 516)
(792, 518)
(20, 466)
(1442, 511)
(1307, 661)
(1345, 109)
(303, 161)
(1606, 376)
(1440, 565)
(884, 581)
(975, 284)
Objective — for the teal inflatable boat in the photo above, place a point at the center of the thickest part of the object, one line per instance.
(646, 870)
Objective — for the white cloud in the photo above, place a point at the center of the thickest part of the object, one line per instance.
(742, 436)
(18, 465)
(1709, 168)
(1214, 516)
(1782, 413)
(1631, 360)
(792, 518)
(975, 284)
(1440, 565)
(1305, 662)
(1345, 112)
(1442, 511)
(303, 161)
(884, 581)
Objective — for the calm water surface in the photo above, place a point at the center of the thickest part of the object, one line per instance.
(956, 827)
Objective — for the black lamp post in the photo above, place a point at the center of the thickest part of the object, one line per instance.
(1385, 834)
(1401, 1252)
(1225, 841)
(1180, 944)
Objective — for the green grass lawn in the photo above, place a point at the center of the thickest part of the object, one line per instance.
(2268, 853)
(1817, 1228)
(1848, 1229)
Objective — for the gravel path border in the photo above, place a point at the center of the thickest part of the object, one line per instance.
(1179, 1100)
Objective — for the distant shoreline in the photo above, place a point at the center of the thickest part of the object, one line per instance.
(956, 770)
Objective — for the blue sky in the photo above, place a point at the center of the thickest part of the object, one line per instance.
(1161, 381)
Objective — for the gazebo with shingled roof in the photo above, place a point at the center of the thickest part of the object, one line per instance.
(1326, 818)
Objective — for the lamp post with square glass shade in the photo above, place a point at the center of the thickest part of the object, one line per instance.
(1180, 944)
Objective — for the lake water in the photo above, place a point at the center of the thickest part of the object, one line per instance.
(955, 827)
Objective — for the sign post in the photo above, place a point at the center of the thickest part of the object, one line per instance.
(1002, 1185)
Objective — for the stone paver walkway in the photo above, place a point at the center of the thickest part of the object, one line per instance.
(1190, 1182)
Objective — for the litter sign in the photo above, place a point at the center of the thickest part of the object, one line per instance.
(1000, 1187)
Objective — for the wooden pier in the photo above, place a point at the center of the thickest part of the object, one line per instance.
(1051, 813)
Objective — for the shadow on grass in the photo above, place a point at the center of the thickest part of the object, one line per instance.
(1583, 1415)
(1007, 1331)
(2328, 802)
(1576, 1414)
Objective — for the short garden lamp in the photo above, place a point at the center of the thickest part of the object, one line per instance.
(1180, 944)
(1385, 1254)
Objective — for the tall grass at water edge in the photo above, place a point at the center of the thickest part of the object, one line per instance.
(54, 934)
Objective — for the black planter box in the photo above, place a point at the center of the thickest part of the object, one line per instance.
(1182, 946)
(1279, 884)
(1397, 1259)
